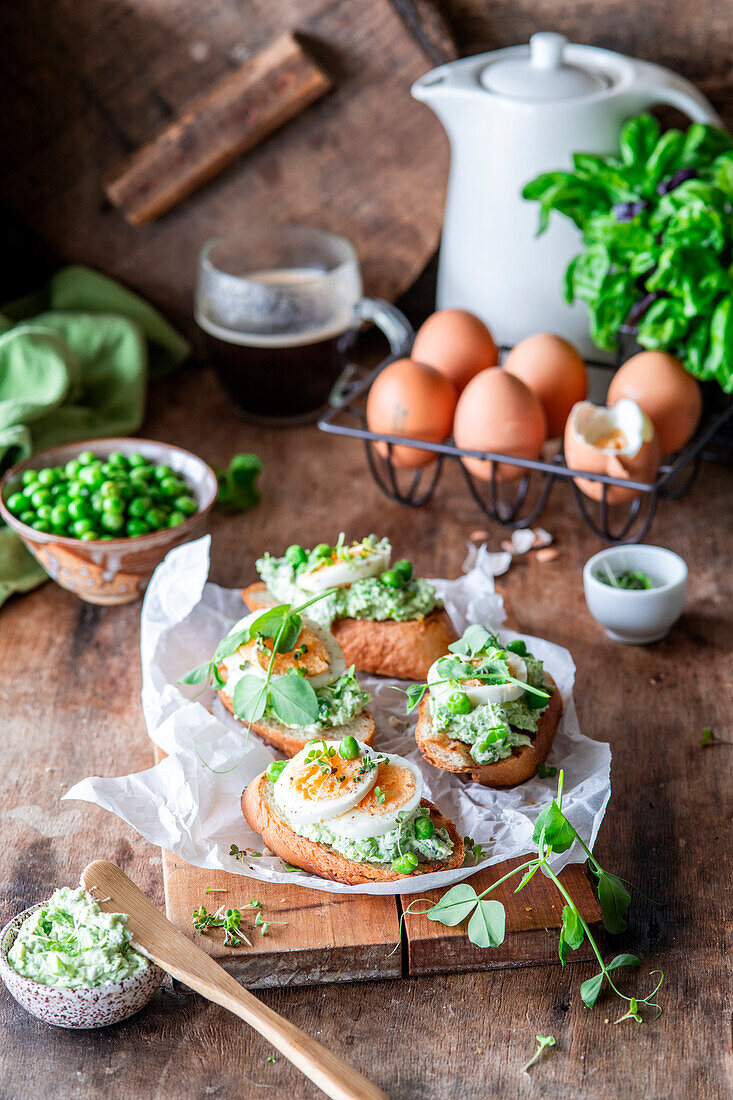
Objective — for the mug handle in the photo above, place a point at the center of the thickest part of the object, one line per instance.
(391, 323)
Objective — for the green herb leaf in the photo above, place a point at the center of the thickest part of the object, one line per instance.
(414, 694)
(454, 906)
(249, 698)
(590, 989)
(197, 675)
(487, 926)
(238, 483)
(546, 773)
(615, 900)
(571, 933)
(294, 701)
(559, 833)
(543, 1041)
(230, 645)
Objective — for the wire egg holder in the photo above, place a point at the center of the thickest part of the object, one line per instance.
(614, 523)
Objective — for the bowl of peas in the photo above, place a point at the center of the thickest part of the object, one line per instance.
(101, 514)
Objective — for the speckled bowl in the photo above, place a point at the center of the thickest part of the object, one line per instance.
(111, 571)
(77, 1008)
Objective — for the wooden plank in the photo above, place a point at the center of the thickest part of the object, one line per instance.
(220, 125)
(533, 919)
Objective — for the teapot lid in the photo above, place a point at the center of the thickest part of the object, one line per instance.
(541, 74)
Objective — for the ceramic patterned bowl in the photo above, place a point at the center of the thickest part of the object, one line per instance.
(76, 1008)
(111, 571)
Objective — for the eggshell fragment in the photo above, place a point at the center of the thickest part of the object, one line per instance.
(456, 343)
(555, 373)
(410, 399)
(497, 412)
(670, 397)
(618, 441)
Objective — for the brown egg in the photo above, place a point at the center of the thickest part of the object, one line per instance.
(670, 397)
(555, 373)
(410, 399)
(618, 441)
(497, 412)
(456, 343)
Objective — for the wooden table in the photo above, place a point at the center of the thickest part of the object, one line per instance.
(70, 708)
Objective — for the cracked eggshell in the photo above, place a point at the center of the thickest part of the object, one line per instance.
(619, 441)
(670, 397)
(498, 412)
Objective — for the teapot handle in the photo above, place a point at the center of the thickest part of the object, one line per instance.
(651, 85)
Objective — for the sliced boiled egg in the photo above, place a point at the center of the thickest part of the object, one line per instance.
(396, 790)
(318, 784)
(478, 691)
(316, 653)
(345, 565)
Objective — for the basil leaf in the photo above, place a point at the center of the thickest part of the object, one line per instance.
(249, 698)
(454, 906)
(487, 926)
(559, 833)
(638, 139)
(293, 700)
(615, 900)
(571, 933)
(197, 675)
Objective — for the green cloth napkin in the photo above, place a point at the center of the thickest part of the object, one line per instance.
(74, 362)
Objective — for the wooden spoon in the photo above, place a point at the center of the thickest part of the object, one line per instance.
(170, 949)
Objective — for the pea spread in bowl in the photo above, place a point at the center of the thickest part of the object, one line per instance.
(69, 943)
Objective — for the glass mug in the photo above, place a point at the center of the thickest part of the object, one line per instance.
(279, 306)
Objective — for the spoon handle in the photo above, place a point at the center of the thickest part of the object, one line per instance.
(178, 955)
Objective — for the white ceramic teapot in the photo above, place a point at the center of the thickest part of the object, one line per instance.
(511, 115)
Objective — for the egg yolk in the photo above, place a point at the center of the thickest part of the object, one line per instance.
(309, 654)
(326, 777)
(395, 787)
(614, 440)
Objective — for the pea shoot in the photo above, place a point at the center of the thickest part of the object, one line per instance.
(88, 499)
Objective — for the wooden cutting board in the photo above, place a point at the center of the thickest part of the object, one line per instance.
(86, 84)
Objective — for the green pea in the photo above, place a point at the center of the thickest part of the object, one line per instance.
(138, 506)
(91, 475)
(136, 527)
(517, 646)
(170, 486)
(89, 536)
(295, 555)
(28, 477)
(45, 512)
(96, 500)
(186, 504)
(116, 458)
(42, 525)
(81, 526)
(111, 523)
(28, 518)
(175, 518)
(274, 769)
(126, 490)
(136, 460)
(404, 568)
(349, 748)
(58, 490)
(79, 508)
(155, 518)
(85, 457)
(424, 828)
(77, 488)
(108, 469)
(47, 476)
(31, 488)
(15, 503)
(113, 506)
(60, 515)
(108, 488)
(458, 703)
(392, 579)
(323, 550)
(41, 496)
(162, 472)
(72, 467)
(406, 864)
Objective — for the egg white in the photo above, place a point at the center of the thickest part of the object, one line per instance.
(480, 693)
(359, 824)
(237, 667)
(303, 811)
(342, 572)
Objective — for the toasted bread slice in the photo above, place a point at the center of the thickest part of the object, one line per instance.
(260, 811)
(404, 650)
(289, 740)
(455, 756)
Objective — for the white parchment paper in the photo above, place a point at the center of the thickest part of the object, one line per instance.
(190, 802)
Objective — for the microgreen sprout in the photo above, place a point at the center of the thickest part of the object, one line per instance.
(553, 833)
(546, 773)
(710, 738)
(214, 890)
(543, 1041)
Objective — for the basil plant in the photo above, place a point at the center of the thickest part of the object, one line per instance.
(657, 231)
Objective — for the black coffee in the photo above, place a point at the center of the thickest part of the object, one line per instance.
(272, 382)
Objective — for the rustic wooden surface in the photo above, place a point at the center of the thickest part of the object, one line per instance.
(85, 84)
(70, 707)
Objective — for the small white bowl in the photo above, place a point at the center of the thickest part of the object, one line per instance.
(636, 617)
(96, 1006)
